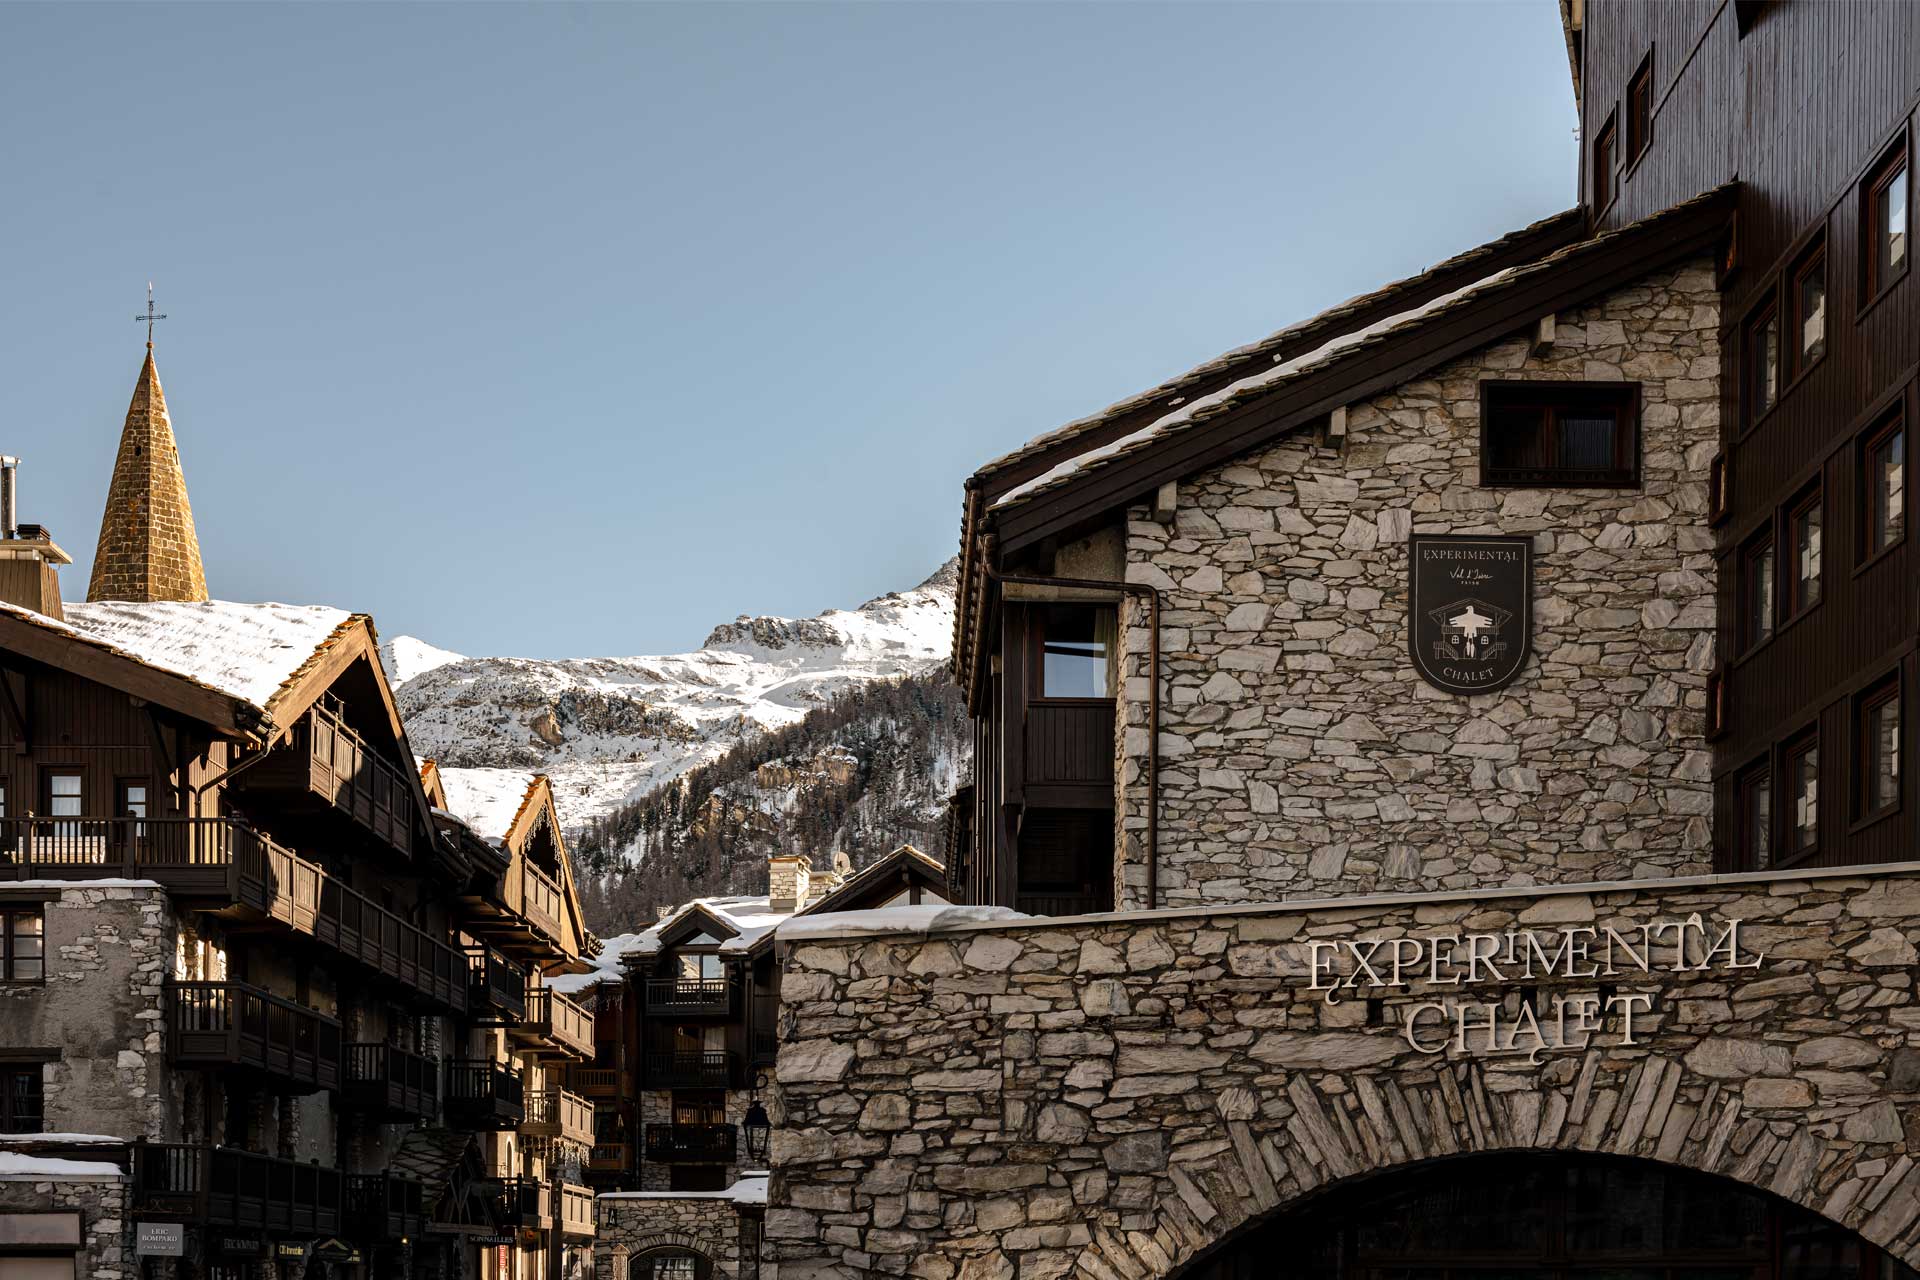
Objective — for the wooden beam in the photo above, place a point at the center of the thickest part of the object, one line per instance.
(1166, 499)
(1542, 335)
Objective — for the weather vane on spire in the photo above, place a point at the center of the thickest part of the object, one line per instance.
(150, 317)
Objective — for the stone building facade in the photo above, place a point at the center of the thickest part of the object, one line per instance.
(1300, 754)
(634, 1225)
(1113, 1098)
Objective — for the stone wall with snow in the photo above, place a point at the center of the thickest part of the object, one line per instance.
(1301, 754)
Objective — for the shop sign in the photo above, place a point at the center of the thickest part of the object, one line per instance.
(505, 1238)
(1568, 1019)
(159, 1240)
(335, 1250)
(1470, 609)
(232, 1246)
(291, 1251)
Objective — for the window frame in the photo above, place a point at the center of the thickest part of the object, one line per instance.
(1894, 159)
(1639, 112)
(1716, 709)
(1887, 689)
(1764, 543)
(1516, 391)
(1797, 365)
(10, 912)
(1792, 752)
(35, 1071)
(1037, 627)
(1748, 853)
(1603, 186)
(1868, 494)
(1767, 311)
(1719, 496)
(1789, 607)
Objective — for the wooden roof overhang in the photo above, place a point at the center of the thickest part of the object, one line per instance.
(486, 917)
(1568, 277)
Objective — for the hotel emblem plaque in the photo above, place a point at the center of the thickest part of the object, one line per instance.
(1470, 609)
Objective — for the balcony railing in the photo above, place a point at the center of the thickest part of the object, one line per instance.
(525, 1202)
(685, 997)
(391, 1082)
(608, 1157)
(555, 1113)
(357, 780)
(540, 899)
(210, 859)
(576, 1211)
(230, 1025)
(691, 1143)
(385, 1206)
(595, 1081)
(482, 1094)
(682, 1069)
(557, 1022)
(377, 938)
(496, 983)
(221, 1187)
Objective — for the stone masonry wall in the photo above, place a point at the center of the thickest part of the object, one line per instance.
(106, 1220)
(1300, 753)
(1106, 1099)
(108, 949)
(628, 1225)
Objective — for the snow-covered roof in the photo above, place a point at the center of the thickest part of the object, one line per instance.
(750, 1189)
(60, 1139)
(247, 651)
(488, 800)
(608, 966)
(926, 918)
(15, 1167)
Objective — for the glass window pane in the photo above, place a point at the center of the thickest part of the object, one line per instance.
(1586, 442)
(1765, 357)
(1759, 594)
(1759, 820)
(1812, 310)
(1893, 224)
(1077, 651)
(1804, 781)
(1806, 557)
(1883, 742)
(63, 795)
(1889, 480)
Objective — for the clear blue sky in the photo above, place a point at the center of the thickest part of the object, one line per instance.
(575, 330)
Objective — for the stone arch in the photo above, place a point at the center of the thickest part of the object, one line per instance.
(648, 1248)
(1325, 1130)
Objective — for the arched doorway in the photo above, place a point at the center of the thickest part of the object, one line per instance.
(672, 1263)
(1547, 1217)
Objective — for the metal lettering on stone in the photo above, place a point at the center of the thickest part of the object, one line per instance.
(1469, 609)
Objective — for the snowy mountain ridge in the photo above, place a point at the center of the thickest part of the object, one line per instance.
(610, 730)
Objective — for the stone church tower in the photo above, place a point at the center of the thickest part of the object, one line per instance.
(148, 549)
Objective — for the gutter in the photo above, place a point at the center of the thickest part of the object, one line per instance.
(1152, 597)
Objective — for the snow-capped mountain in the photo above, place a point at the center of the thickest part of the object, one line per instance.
(610, 730)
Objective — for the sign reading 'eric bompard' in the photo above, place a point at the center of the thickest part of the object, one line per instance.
(1373, 968)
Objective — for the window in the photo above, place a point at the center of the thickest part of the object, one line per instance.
(1803, 533)
(1885, 485)
(1717, 489)
(1560, 434)
(1763, 363)
(1756, 591)
(1716, 703)
(1640, 110)
(22, 944)
(64, 795)
(1753, 834)
(1877, 750)
(1809, 301)
(20, 1098)
(131, 802)
(1077, 650)
(1603, 149)
(669, 1264)
(1802, 774)
(1885, 207)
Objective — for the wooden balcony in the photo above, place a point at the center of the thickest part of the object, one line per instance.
(385, 1207)
(482, 1094)
(522, 913)
(608, 1157)
(555, 1113)
(1069, 752)
(496, 985)
(692, 1143)
(390, 1082)
(595, 1082)
(391, 948)
(525, 1202)
(576, 1211)
(683, 1069)
(689, 997)
(555, 1025)
(218, 863)
(230, 1026)
(329, 767)
(221, 1187)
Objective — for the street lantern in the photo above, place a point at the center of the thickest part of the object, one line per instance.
(758, 1130)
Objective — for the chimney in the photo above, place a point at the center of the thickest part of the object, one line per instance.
(29, 559)
(787, 880)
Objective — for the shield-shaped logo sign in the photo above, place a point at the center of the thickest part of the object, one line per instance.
(1469, 609)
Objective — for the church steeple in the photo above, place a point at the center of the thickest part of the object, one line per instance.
(148, 549)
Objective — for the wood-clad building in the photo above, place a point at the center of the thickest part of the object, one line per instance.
(1185, 623)
(268, 1008)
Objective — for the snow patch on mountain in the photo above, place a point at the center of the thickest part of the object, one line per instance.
(609, 730)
